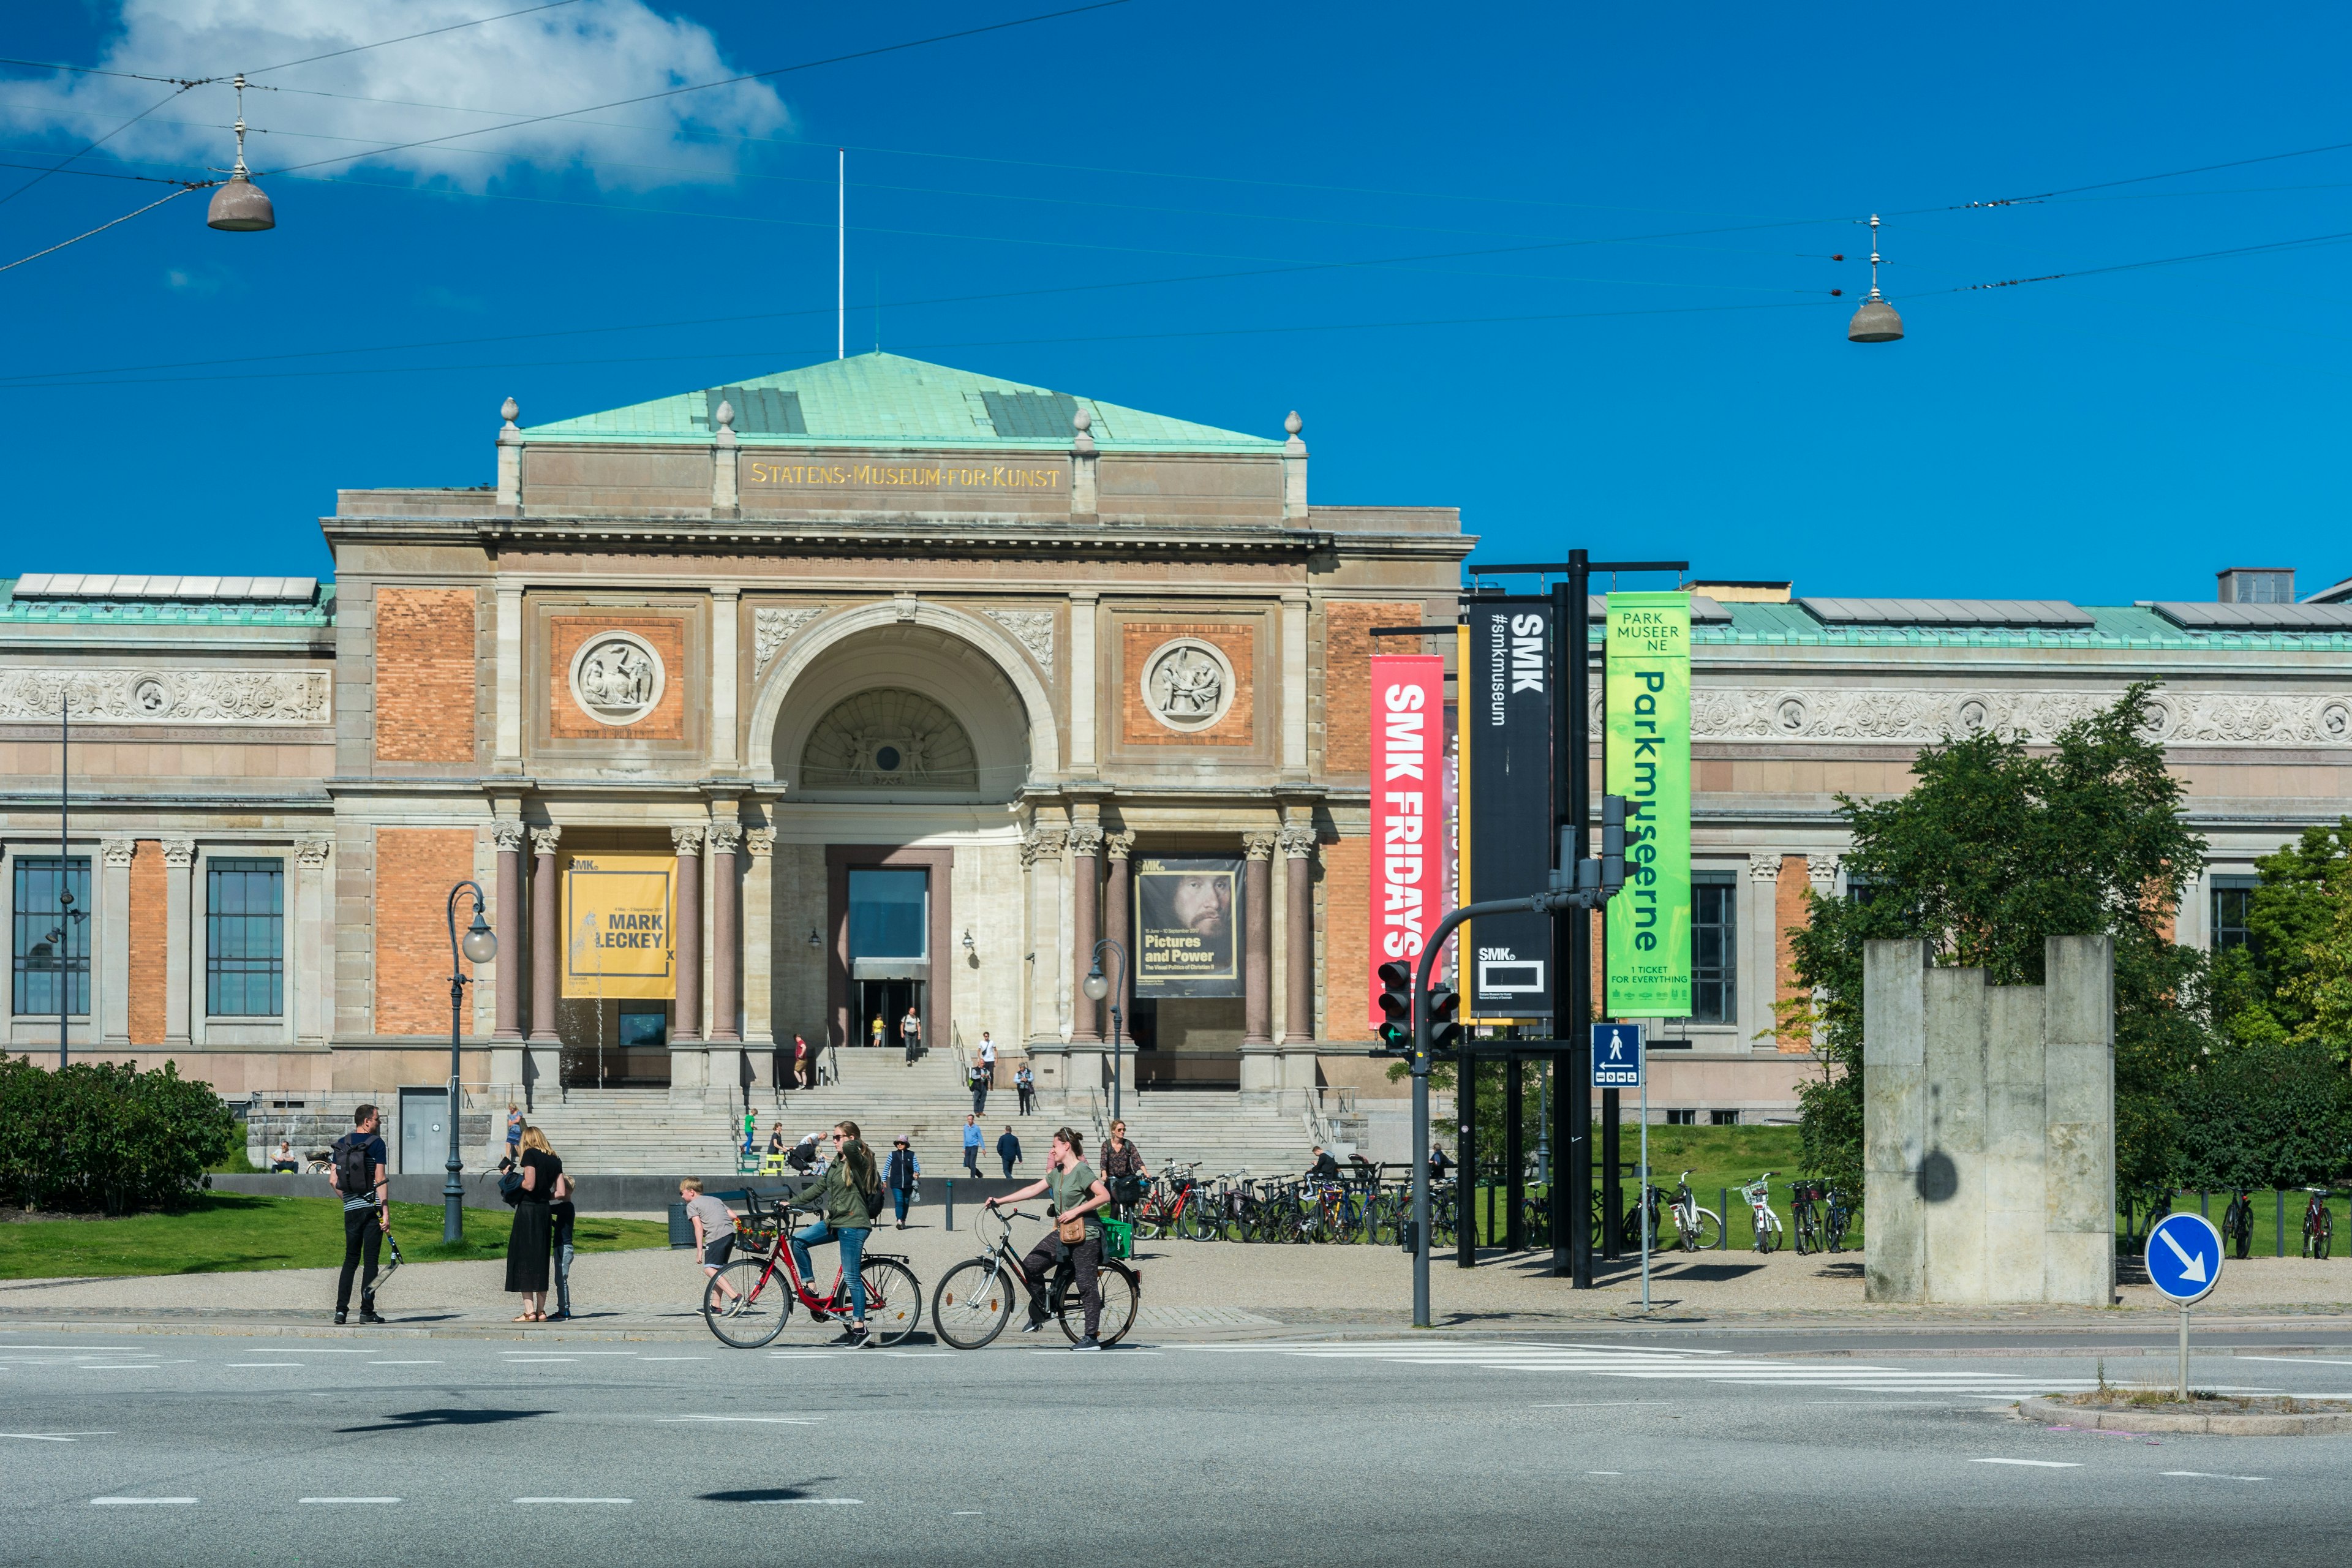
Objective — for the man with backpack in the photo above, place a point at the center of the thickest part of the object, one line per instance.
(360, 1176)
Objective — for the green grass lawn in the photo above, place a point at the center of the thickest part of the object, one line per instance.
(228, 1232)
(1718, 1158)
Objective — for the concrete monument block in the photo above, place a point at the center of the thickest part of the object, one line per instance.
(1989, 1129)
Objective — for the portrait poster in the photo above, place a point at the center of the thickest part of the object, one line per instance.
(618, 933)
(1187, 925)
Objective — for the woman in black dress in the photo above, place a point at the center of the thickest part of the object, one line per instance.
(529, 1243)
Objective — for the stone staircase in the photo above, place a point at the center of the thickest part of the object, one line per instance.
(626, 1131)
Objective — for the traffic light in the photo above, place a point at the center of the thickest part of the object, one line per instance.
(1444, 1020)
(1396, 1011)
(1612, 843)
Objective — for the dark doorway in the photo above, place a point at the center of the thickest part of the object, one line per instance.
(888, 1000)
(626, 1047)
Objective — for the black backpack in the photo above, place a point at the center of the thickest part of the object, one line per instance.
(354, 1172)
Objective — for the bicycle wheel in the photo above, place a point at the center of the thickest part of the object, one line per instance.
(974, 1303)
(2323, 1234)
(1119, 1290)
(745, 1306)
(1706, 1234)
(893, 1300)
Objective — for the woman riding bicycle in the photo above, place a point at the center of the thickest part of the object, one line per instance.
(1077, 1194)
(847, 1197)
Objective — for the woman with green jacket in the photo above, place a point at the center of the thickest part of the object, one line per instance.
(846, 1196)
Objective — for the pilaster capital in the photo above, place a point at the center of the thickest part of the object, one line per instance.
(759, 842)
(508, 835)
(310, 854)
(1764, 866)
(1086, 839)
(689, 841)
(179, 853)
(116, 852)
(1118, 845)
(726, 837)
(1298, 841)
(1044, 844)
(544, 840)
(1822, 870)
(1258, 846)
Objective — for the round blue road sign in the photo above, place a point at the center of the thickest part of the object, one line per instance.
(2184, 1257)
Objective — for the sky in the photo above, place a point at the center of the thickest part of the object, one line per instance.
(1567, 268)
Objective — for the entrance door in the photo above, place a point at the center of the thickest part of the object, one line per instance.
(423, 1130)
(888, 1000)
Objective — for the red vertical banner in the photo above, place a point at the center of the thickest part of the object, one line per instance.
(1409, 829)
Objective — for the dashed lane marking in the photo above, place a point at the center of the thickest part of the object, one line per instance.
(351, 1500)
(141, 1501)
(55, 1436)
(2034, 1464)
(2210, 1476)
(755, 1420)
(583, 1501)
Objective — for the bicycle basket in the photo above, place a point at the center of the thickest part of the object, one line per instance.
(1119, 1239)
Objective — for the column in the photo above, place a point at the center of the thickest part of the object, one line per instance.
(1040, 866)
(111, 993)
(314, 944)
(1086, 908)
(759, 949)
(686, 1015)
(546, 935)
(179, 860)
(726, 936)
(1258, 930)
(1759, 948)
(726, 615)
(508, 835)
(1298, 932)
(1119, 924)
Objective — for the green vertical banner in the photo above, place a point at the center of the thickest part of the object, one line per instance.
(1648, 688)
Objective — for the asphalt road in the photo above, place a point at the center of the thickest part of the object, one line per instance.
(201, 1448)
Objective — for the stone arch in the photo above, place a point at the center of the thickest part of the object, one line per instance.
(967, 654)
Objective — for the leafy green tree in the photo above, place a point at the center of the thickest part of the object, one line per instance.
(2002, 842)
(2297, 965)
(2273, 1114)
(106, 1136)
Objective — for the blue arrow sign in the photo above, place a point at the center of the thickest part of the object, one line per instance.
(2184, 1257)
(1616, 1056)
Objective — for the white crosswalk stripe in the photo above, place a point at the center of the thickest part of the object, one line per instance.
(1650, 1364)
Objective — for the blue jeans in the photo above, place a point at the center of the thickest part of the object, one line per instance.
(853, 1257)
(898, 1199)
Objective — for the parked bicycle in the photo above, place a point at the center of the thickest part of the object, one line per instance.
(1837, 1218)
(1804, 1219)
(1697, 1229)
(974, 1301)
(2238, 1225)
(2318, 1224)
(748, 1302)
(1766, 1223)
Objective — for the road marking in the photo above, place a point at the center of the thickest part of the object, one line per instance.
(821, 1502)
(677, 1358)
(763, 1420)
(55, 1436)
(256, 1363)
(121, 1366)
(1604, 1472)
(331, 1350)
(2297, 1360)
(2035, 1463)
(141, 1502)
(342, 1500)
(407, 1363)
(567, 1353)
(539, 1360)
(577, 1500)
(968, 1513)
(2210, 1476)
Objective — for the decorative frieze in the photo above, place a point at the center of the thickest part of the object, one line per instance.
(773, 626)
(148, 696)
(1032, 629)
(1916, 717)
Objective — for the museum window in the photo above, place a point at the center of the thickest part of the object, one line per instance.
(2234, 903)
(245, 937)
(1681, 1118)
(50, 941)
(1723, 1119)
(1715, 931)
(889, 914)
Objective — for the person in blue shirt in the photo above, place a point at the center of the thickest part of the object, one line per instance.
(971, 1145)
(900, 1175)
(1008, 1148)
(362, 1183)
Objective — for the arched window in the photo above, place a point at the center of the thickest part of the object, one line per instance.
(888, 738)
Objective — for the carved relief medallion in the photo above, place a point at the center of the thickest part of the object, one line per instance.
(617, 677)
(1188, 684)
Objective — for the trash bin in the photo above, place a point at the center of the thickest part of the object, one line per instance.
(681, 1229)
(1119, 1239)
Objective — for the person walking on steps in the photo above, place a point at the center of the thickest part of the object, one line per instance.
(847, 1197)
(360, 1176)
(979, 1088)
(1008, 1148)
(911, 1034)
(1078, 1196)
(903, 1176)
(876, 1032)
(972, 1146)
(1025, 1087)
(803, 1070)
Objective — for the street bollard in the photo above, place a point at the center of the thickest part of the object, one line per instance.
(951, 1203)
(2280, 1195)
(2204, 1208)
(1723, 1207)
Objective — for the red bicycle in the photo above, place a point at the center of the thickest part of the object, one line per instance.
(748, 1302)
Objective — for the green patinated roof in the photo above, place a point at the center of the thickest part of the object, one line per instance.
(881, 399)
(2113, 626)
(320, 612)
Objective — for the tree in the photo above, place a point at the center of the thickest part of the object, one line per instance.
(2000, 843)
(2272, 1114)
(2293, 980)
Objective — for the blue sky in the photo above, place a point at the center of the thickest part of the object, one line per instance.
(181, 400)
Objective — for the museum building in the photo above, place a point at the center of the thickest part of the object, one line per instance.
(906, 687)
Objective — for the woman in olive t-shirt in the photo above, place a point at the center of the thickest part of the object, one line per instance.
(1077, 1193)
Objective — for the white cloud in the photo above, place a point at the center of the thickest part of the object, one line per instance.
(552, 62)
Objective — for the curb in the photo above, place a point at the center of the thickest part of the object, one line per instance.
(2318, 1425)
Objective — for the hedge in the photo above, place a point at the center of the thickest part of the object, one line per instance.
(105, 1136)
(2265, 1116)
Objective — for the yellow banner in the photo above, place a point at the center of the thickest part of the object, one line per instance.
(619, 938)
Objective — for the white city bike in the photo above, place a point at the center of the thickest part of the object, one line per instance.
(1761, 1219)
(1697, 1229)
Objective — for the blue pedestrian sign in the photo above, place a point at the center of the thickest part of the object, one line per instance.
(1616, 1056)
(2184, 1257)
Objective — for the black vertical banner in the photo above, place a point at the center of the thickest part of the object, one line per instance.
(1504, 709)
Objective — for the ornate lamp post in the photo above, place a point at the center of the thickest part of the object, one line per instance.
(479, 945)
(1099, 985)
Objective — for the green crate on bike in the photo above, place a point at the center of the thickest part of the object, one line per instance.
(1119, 1239)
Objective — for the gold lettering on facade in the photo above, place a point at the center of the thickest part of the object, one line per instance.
(901, 475)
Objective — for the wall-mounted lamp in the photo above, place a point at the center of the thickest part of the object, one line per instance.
(814, 941)
(967, 942)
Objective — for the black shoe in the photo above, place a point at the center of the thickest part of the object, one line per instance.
(1089, 1344)
(368, 1315)
(1032, 1325)
(339, 1317)
(851, 1339)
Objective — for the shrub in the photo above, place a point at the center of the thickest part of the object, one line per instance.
(2272, 1115)
(106, 1136)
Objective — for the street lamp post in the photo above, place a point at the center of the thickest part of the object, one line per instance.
(478, 946)
(1099, 985)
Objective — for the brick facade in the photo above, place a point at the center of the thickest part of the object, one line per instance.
(1348, 649)
(566, 720)
(1138, 640)
(415, 870)
(149, 943)
(1787, 912)
(1347, 939)
(426, 658)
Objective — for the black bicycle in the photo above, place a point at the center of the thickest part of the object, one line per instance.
(2238, 1225)
(1804, 1217)
(974, 1300)
(1837, 1218)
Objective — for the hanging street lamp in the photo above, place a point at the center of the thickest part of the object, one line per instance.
(238, 205)
(1875, 322)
